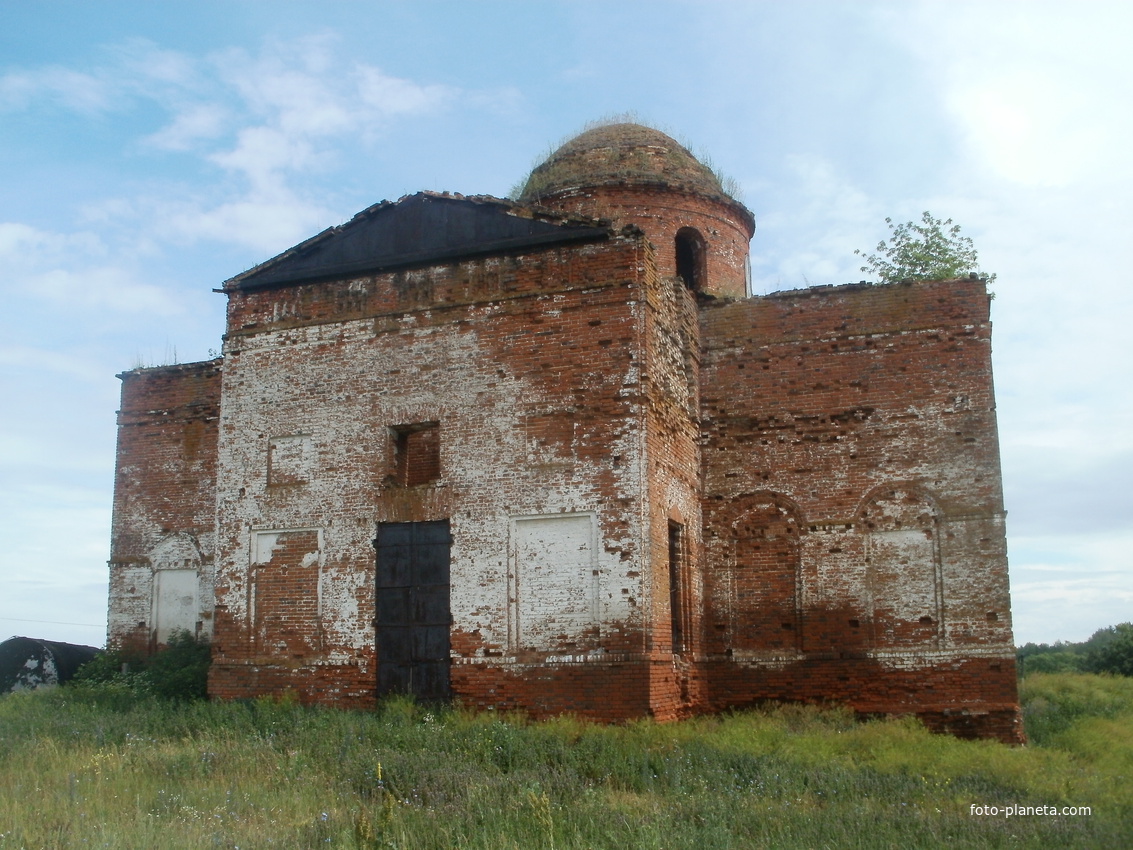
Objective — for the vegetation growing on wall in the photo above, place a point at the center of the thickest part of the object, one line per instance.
(927, 250)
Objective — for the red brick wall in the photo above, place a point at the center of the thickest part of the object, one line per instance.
(672, 450)
(852, 505)
(534, 368)
(164, 489)
(660, 213)
(830, 455)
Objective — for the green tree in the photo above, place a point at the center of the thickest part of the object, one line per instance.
(929, 250)
(1111, 650)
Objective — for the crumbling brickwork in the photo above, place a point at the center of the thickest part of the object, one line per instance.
(164, 520)
(531, 370)
(852, 503)
(547, 456)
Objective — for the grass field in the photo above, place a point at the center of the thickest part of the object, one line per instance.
(101, 767)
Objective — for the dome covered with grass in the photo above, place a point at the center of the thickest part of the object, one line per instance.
(622, 154)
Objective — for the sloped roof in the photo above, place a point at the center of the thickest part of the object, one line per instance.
(417, 230)
(29, 663)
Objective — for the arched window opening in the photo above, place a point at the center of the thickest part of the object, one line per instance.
(691, 253)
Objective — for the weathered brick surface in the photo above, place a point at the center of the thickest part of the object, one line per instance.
(532, 368)
(660, 501)
(164, 494)
(660, 212)
(852, 503)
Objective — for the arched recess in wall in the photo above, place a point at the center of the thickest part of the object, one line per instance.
(765, 575)
(901, 523)
(691, 257)
(176, 562)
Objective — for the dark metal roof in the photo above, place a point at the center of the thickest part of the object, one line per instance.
(420, 229)
(28, 663)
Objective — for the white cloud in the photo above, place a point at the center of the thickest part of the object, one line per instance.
(145, 65)
(47, 360)
(1040, 90)
(261, 153)
(272, 119)
(1032, 127)
(811, 238)
(84, 93)
(61, 523)
(303, 105)
(108, 286)
(194, 124)
(1066, 589)
(20, 243)
(267, 221)
(398, 96)
(71, 271)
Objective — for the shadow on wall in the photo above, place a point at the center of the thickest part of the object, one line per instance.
(29, 663)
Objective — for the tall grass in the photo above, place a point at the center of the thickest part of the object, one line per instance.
(104, 767)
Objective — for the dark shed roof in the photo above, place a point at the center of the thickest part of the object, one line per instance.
(27, 663)
(420, 229)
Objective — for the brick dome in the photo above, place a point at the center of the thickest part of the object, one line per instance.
(622, 155)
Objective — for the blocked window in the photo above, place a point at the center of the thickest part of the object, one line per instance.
(555, 582)
(285, 603)
(289, 459)
(174, 603)
(765, 577)
(905, 575)
(417, 454)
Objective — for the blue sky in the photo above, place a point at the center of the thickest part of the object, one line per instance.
(149, 151)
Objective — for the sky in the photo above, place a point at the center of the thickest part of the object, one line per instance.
(150, 151)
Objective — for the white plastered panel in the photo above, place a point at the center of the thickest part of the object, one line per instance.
(555, 592)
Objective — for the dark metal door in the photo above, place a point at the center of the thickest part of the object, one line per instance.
(413, 616)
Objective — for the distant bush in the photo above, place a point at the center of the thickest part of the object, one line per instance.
(1057, 661)
(178, 671)
(111, 666)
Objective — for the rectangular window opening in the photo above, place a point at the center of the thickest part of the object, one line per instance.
(417, 454)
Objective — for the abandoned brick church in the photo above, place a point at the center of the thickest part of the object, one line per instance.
(549, 455)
